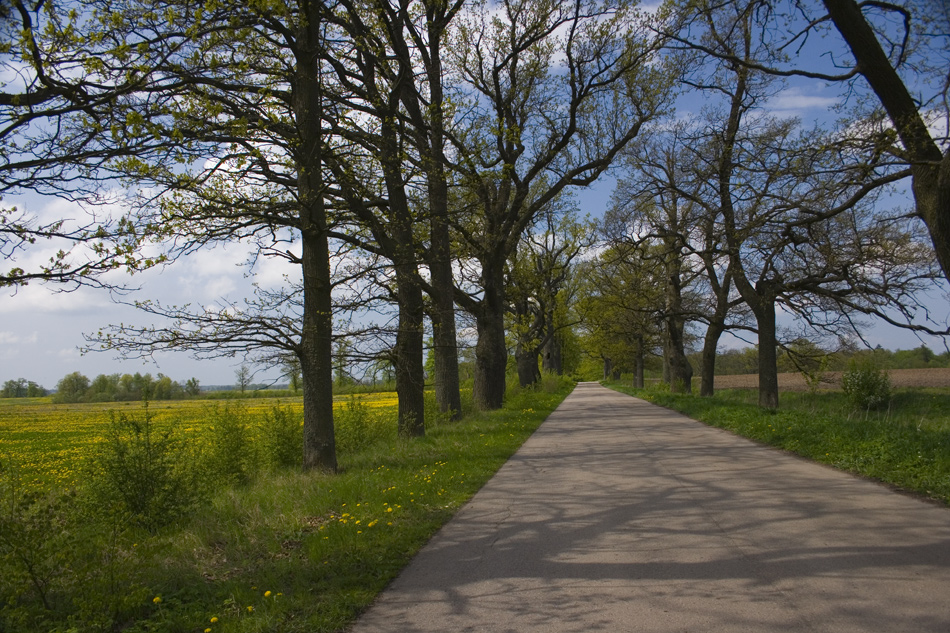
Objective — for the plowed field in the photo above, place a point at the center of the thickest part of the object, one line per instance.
(832, 380)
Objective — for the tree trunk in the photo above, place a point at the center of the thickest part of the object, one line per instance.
(551, 354)
(608, 368)
(681, 372)
(408, 354)
(527, 360)
(491, 353)
(447, 388)
(444, 338)
(764, 311)
(315, 350)
(708, 368)
(639, 365)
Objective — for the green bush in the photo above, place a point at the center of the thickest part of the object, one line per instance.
(232, 457)
(866, 386)
(282, 438)
(149, 475)
(357, 425)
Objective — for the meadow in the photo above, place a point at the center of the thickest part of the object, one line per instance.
(905, 443)
(273, 550)
(48, 443)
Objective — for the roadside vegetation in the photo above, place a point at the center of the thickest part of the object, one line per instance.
(195, 525)
(903, 440)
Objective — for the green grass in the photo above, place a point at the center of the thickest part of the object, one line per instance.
(289, 552)
(906, 445)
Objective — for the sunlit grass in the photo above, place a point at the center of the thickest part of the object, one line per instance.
(906, 444)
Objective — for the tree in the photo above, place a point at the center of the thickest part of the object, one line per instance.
(795, 206)
(541, 286)
(242, 377)
(904, 66)
(618, 302)
(241, 119)
(192, 387)
(70, 69)
(291, 371)
(552, 92)
(71, 388)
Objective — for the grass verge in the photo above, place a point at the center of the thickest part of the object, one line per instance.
(287, 552)
(906, 445)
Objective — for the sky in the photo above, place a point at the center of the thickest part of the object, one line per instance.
(41, 330)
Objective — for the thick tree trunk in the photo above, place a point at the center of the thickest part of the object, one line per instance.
(444, 338)
(527, 361)
(408, 355)
(708, 369)
(764, 311)
(681, 372)
(551, 359)
(608, 368)
(315, 351)
(447, 388)
(491, 353)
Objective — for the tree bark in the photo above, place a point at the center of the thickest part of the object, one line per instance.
(551, 359)
(315, 350)
(408, 354)
(527, 360)
(768, 356)
(708, 368)
(491, 353)
(447, 387)
(638, 370)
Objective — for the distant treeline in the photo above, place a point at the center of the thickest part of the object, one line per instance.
(22, 388)
(76, 387)
(807, 356)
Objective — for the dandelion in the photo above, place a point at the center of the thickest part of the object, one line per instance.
(267, 594)
(157, 599)
(208, 630)
(250, 609)
(214, 620)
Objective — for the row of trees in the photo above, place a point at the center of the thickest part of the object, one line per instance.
(21, 388)
(405, 158)
(76, 387)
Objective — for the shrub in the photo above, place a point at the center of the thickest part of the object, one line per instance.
(232, 458)
(865, 385)
(282, 438)
(149, 475)
(354, 425)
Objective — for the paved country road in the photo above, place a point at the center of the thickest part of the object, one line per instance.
(618, 515)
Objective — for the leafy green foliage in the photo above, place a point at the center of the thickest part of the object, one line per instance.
(147, 474)
(866, 386)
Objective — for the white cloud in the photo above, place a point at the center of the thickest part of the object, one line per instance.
(12, 338)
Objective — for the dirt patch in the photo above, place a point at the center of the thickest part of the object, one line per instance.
(939, 377)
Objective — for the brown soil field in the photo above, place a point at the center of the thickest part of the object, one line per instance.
(939, 377)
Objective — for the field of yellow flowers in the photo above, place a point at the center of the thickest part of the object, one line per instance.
(48, 443)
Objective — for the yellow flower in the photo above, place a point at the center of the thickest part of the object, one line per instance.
(157, 599)
(208, 630)
(267, 594)
(214, 619)
(250, 609)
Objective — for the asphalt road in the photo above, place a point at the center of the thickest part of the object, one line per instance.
(618, 515)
